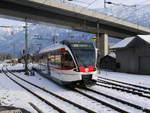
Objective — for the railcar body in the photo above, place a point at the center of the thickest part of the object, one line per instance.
(69, 62)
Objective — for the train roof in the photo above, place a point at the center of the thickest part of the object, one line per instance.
(51, 47)
(61, 44)
(75, 41)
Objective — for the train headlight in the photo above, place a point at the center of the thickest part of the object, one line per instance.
(86, 69)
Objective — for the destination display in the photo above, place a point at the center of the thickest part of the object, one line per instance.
(79, 45)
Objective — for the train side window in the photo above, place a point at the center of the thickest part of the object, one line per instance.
(51, 58)
(58, 60)
(67, 61)
(54, 58)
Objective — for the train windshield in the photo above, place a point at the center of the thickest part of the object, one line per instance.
(84, 54)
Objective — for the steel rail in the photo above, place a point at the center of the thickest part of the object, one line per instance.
(102, 102)
(126, 87)
(120, 100)
(93, 98)
(124, 90)
(126, 83)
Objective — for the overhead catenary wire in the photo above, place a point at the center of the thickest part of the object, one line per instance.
(91, 3)
(128, 6)
(88, 4)
(80, 1)
(138, 10)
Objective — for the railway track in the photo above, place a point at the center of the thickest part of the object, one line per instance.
(51, 93)
(124, 90)
(87, 110)
(102, 102)
(113, 98)
(136, 86)
(91, 97)
(112, 85)
(120, 100)
(125, 87)
(39, 97)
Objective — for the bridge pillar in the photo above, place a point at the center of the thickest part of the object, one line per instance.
(102, 44)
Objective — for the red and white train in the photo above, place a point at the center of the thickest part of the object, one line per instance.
(69, 62)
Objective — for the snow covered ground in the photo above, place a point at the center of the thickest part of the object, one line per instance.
(13, 95)
(143, 80)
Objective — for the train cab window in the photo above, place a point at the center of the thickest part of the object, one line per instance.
(67, 61)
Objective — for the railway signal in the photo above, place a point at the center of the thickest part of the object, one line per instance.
(94, 38)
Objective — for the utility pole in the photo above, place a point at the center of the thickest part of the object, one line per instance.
(14, 48)
(104, 3)
(26, 47)
(97, 37)
(97, 45)
(14, 45)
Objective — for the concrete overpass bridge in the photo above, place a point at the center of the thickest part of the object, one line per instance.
(52, 11)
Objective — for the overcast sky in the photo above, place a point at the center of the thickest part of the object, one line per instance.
(85, 3)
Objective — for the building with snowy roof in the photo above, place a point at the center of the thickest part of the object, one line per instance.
(133, 54)
(108, 62)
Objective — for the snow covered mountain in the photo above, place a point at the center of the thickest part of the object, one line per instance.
(39, 36)
(138, 14)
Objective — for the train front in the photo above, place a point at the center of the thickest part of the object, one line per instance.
(85, 57)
